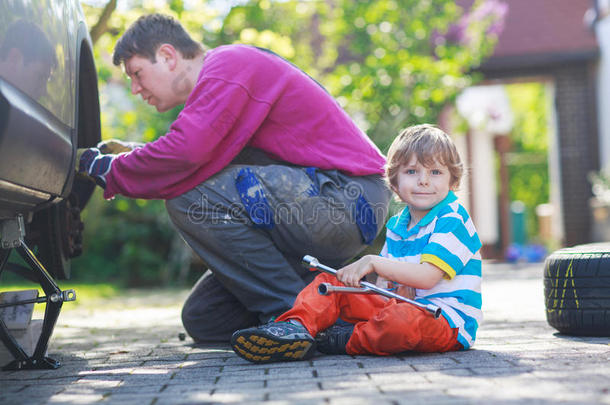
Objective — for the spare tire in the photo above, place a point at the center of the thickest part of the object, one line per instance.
(577, 290)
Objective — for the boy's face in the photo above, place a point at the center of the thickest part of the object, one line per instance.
(421, 187)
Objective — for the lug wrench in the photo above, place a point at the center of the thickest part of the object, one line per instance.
(366, 288)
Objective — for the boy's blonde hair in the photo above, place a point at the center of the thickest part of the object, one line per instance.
(429, 144)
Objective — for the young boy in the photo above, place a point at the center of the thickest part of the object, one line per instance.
(431, 246)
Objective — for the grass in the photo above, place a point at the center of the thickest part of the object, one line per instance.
(85, 291)
(86, 294)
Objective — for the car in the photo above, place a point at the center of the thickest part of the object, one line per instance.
(49, 107)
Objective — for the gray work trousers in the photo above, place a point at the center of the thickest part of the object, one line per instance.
(252, 225)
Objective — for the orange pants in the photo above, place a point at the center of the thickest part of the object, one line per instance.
(382, 326)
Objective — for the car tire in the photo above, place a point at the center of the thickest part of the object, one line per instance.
(58, 232)
(577, 290)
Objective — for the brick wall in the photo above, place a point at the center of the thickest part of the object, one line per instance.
(578, 146)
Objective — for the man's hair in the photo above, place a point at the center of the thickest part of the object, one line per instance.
(144, 37)
(428, 143)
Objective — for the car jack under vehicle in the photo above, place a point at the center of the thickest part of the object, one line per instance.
(12, 234)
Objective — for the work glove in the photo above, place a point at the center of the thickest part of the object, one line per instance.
(91, 162)
(115, 146)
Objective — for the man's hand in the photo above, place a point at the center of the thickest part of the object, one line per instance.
(91, 162)
(115, 146)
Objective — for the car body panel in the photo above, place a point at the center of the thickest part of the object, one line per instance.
(41, 25)
(35, 147)
(40, 47)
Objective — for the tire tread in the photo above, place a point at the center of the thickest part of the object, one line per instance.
(577, 290)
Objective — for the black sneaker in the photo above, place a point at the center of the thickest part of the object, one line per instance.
(275, 341)
(334, 339)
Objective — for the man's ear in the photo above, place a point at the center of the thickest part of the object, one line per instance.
(169, 55)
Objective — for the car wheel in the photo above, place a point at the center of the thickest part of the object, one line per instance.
(577, 290)
(58, 233)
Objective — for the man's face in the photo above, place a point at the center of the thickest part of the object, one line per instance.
(153, 82)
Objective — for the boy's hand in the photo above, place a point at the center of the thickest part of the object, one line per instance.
(351, 274)
(405, 291)
(384, 283)
(400, 289)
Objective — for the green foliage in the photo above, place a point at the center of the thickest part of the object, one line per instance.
(84, 292)
(528, 163)
(600, 184)
(390, 63)
(126, 241)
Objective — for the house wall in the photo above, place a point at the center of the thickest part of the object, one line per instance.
(578, 145)
(602, 29)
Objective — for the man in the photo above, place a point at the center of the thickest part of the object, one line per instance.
(261, 167)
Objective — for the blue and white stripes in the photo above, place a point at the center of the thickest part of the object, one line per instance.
(447, 238)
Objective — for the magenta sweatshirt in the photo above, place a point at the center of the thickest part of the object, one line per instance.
(245, 97)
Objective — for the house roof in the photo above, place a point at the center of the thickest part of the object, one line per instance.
(542, 32)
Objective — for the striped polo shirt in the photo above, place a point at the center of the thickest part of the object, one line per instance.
(447, 238)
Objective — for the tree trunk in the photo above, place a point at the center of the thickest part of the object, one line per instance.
(102, 24)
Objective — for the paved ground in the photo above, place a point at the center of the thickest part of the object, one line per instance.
(128, 351)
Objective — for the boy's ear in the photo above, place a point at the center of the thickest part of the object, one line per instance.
(454, 185)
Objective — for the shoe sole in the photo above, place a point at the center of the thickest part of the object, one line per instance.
(260, 347)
